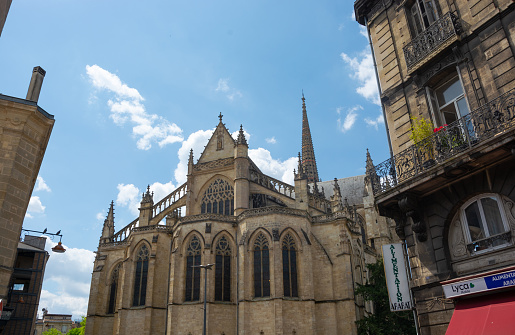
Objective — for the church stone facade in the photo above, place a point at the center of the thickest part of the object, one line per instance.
(286, 258)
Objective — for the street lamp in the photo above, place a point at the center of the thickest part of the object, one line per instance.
(59, 247)
(205, 267)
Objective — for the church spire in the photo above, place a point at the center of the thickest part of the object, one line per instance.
(108, 229)
(308, 152)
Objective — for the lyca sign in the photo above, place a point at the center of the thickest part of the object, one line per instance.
(396, 278)
(481, 284)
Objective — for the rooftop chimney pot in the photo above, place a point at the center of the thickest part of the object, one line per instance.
(35, 83)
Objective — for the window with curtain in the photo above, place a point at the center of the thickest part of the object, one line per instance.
(483, 217)
(140, 278)
(289, 267)
(261, 267)
(223, 270)
(218, 198)
(113, 286)
(193, 258)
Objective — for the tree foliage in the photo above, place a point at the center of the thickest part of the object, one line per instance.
(52, 331)
(383, 321)
(420, 129)
(80, 330)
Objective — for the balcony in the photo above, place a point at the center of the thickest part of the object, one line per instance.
(482, 128)
(434, 39)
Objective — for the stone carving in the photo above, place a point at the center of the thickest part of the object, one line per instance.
(409, 205)
(208, 228)
(223, 162)
(275, 234)
(271, 210)
(458, 247)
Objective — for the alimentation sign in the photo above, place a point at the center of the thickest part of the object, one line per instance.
(396, 278)
(481, 284)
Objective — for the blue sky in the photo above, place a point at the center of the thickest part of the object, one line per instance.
(133, 87)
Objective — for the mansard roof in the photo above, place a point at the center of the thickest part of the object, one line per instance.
(352, 188)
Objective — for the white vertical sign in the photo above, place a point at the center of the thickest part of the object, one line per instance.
(396, 278)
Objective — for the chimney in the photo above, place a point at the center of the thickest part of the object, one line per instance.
(35, 84)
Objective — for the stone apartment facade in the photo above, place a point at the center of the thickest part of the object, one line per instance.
(286, 258)
(24, 133)
(452, 195)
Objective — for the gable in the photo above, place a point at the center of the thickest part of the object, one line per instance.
(219, 146)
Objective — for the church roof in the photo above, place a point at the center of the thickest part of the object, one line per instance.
(352, 188)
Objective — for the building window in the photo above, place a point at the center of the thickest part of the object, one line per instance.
(261, 267)
(289, 267)
(140, 279)
(448, 101)
(112, 289)
(193, 273)
(423, 14)
(223, 270)
(218, 198)
(484, 222)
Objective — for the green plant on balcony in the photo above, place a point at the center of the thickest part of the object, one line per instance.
(421, 130)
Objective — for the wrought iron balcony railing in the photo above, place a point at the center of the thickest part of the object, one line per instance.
(487, 121)
(439, 35)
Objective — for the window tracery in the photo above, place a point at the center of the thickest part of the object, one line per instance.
(223, 270)
(261, 267)
(113, 288)
(289, 267)
(218, 198)
(140, 278)
(193, 258)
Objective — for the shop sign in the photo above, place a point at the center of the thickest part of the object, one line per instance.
(396, 278)
(481, 284)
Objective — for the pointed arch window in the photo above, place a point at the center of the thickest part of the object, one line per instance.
(289, 267)
(193, 273)
(140, 278)
(113, 286)
(261, 267)
(218, 198)
(223, 270)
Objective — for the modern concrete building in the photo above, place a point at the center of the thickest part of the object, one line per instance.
(446, 70)
(285, 258)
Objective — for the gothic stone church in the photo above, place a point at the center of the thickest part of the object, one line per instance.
(286, 258)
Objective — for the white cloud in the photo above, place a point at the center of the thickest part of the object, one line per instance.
(271, 140)
(375, 122)
(161, 190)
(223, 86)
(128, 196)
(41, 185)
(363, 31)
(196, 141)
(348, 119)
(101, 216)
(67, 281)
(127, 106)
(282, 170)
(35, 205)
(363, 71)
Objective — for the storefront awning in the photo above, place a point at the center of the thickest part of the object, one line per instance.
(491, 314)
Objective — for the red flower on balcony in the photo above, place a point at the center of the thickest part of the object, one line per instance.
(439, 128)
